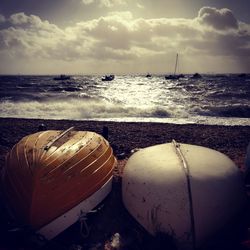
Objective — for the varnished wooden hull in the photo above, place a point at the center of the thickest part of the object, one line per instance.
(50, 172)
(77, 213)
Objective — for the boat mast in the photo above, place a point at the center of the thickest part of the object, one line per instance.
(176, 64)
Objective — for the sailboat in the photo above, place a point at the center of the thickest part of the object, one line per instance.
(174, 76)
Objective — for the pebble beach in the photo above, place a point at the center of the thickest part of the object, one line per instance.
(112, 221)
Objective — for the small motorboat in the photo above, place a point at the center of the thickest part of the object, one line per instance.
(53, 177)
(242, 75)
(185, 191)
(62, 77)
(196, 76)
(108, 78)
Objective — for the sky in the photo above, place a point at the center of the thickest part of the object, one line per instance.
(124, 36)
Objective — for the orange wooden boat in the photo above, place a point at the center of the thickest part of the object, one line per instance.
(52, 177)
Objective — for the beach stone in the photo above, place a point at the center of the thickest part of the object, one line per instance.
(42, 127)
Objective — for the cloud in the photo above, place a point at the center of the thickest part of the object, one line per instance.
(220, 19)
(29, 36)
(2, 18)
(88, 1)
(140, 6)
(111, 3)
(105, 3)
(119, 37)
(21, 18)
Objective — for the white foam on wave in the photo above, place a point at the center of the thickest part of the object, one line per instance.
(190, 120)
(77, 109)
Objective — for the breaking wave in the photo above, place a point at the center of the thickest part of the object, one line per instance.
(212, 99)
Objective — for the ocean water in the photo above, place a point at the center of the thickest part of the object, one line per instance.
(213, 99)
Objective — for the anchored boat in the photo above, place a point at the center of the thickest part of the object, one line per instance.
(53, 177)
(174, 76)
(108, 78)
(186, 191)
(62, 77)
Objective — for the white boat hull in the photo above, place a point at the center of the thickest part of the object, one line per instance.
(186, 191)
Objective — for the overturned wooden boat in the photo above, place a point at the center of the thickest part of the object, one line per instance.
(186, 191)
(53, 177)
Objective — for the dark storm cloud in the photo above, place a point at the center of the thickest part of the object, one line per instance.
(218, 19)
(29, 36)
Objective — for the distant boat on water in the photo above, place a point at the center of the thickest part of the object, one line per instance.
(243, 75)
(196, 76)
(108, 78)
(62, 77)
(148, 75)
(174, 76)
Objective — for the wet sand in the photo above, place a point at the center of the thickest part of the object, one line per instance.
(124, 137)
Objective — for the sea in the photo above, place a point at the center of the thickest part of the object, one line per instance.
(213, 99)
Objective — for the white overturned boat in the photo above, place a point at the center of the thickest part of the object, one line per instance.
(52, 178)
(188, 192)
